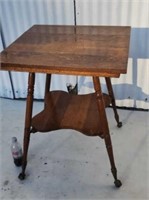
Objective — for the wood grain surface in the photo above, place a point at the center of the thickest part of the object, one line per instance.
(74, 50)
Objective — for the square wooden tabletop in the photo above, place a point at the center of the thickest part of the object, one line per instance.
(75, 50)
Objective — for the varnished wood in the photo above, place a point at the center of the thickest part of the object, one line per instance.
(97, 51)
(47, 85)
(105, 128)
(111, 94)
(67, 111)
(75, 50)
(101, 105)
(28, 117)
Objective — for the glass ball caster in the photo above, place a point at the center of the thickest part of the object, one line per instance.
(21, 176)
(119, 125)
(117, 183)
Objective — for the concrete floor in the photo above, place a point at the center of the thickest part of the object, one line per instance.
(68, 165)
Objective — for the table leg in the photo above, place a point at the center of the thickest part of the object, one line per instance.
(111, 93)
(28, 117)
(105, 128)
(47, 85)
(47, 89)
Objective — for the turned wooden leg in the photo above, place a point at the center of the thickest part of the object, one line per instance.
(28, 117)
(105, 128)
(111, 158)
(111, 94)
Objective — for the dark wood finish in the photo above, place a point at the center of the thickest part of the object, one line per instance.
(47, 85)
(111, 94)
(28, 117)
(68, 111)
(105, 128)
(75, 50)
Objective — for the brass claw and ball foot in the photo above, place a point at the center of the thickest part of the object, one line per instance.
(119, 124)
(21, 176)
(117, 183)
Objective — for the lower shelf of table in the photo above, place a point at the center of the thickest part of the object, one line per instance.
(67, 111)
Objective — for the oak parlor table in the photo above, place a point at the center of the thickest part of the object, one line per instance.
(96, 51)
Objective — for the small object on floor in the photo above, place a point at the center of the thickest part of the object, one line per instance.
(16, 151)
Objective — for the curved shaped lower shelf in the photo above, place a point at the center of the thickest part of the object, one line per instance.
(67, 111)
